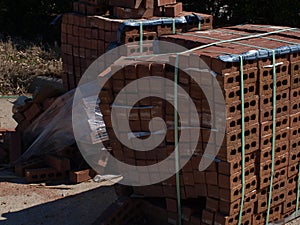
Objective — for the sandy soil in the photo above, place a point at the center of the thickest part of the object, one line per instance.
(6, 120)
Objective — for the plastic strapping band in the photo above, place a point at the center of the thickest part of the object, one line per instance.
(141, 37)
(243, 139)
(273, 138)
(176, 140)
(174, 27)
(215, 43)
(298, 193)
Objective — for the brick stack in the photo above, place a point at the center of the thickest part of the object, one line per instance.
(85, 36)
(220, 185)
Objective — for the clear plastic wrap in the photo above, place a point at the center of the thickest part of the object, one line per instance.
(52, 131)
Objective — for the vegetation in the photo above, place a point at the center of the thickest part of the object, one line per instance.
(21, 62)
(273, 12)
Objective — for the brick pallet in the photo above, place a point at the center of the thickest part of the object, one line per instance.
(85, 36)
(221, 185)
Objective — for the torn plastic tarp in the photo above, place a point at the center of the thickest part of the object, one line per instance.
(52, 131)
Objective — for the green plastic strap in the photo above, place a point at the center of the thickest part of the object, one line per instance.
(9, 96)
(176, 140)
(298, 192)
(273, 138)
(216, 43)
(141, 37)
(199, 25)
(174, 27)
(243, 140)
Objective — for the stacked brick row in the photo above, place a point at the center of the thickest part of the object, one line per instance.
(85, 38)
(220, 186)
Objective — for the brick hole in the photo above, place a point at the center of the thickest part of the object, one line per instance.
(284, 69)
(230, 80)
(236, 179)
(232, 124)
(236, 206)
(266, 114)
(251, 89)
(296, 67)
(278, 70)
(233, 138)
(253, 183)
(266, 154)
(265, 60)
(266, 101)
(130, 40)
(252, 75)
(266, 180)
(232, 109)
(271, 72)
(236, 193)
(230, 220)
(202, 21)
(266, 128)
(207, 20)
(258, 217)
(137, 39)
(231, 95)
(236, 165)
(276, 199)
(247, 147)
(43, 176)
(281, 196)
(263, 204)
(279, 84)
(253, 103)
(253, 144)
(289, 204)
(266, 87)
(285, 82)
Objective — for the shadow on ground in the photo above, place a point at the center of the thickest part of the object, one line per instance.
(80, 209)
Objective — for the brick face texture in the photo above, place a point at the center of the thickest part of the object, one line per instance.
(219, 188)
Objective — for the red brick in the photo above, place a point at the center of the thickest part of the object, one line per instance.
(15, 146)
(79, 176)
(173, 10)
(59, 163)
(43, 174)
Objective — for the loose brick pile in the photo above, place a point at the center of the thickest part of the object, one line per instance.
(85, 37)
(65, 164)
(220, 186)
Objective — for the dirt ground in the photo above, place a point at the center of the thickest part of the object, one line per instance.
(23, 204)
(6, 120)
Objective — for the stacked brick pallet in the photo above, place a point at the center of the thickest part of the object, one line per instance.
(220, 186)
(85, 36)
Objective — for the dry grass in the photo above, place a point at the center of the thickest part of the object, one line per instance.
(21, 62)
